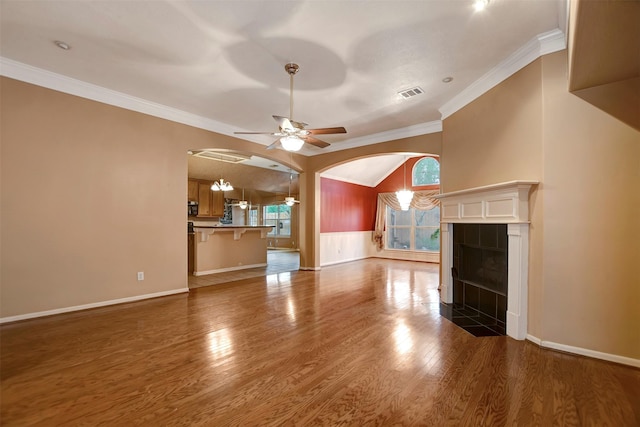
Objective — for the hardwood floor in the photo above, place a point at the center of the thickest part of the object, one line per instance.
(278, 261)
(354, 344)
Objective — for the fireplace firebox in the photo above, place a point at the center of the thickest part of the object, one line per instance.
(480, 275)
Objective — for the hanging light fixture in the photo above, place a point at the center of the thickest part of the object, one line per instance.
(290, 201)
(243, 203)
(221, 185)
(404, 196)
(291, 143)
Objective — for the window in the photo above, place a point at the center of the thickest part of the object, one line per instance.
(253, 216)
(280, 217)
(413, 230)
(426, 171)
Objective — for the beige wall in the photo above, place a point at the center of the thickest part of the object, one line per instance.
(92, 194)
(585, 233)
(592, 222)
(87, 201)
(221, 251)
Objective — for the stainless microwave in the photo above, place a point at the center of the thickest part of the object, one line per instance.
(192, 208)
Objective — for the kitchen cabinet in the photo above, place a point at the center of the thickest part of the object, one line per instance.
(192, 192)
(210, 203)
(217, 203)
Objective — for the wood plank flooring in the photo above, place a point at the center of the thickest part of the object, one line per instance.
(278, 261)
(360, 343)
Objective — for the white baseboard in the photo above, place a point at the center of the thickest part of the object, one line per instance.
(309, 268)
(342, 261)
(585, 352)
(224, 270)
(92, 305)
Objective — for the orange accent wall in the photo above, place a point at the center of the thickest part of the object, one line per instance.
(346, 206)
(395, 180)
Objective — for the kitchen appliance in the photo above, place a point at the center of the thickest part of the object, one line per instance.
(192, 208)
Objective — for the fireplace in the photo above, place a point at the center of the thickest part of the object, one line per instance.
(485, 269)
(479, 278)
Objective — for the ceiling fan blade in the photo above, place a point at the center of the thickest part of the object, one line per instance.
(276, 144)
(315, 141)
(326, 131)
(258, 133)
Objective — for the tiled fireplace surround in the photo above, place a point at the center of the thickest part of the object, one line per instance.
(504, 203)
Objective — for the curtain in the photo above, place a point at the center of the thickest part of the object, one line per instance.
(423, 200)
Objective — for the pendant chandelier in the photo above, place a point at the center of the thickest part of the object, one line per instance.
(221, 185)
(404, 196)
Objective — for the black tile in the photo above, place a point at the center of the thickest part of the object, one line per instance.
(464, 321)
(481, 331)
(472, 234)
(458, 292)
(446, 310)
(501, 309)
(503, 239)
(489, 235)
(458, 233)
(470, 296)
(487, 302)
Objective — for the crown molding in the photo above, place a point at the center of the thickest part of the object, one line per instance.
(391, 135)
(50, 80)
(542, 44)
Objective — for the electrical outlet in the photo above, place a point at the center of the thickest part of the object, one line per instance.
(140, 275)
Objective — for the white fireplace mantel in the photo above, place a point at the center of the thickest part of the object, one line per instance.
(503, 203)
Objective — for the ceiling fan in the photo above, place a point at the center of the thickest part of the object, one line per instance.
(290, 201)
(292, 134)
(242, 204)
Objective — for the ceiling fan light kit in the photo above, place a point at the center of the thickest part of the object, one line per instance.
(291, 143)
(243, 203)
(292, 134)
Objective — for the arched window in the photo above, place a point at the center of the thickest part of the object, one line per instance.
(426, 171)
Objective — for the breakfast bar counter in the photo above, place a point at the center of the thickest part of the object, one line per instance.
(220, 248)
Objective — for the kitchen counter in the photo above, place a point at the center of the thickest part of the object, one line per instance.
(220, 248)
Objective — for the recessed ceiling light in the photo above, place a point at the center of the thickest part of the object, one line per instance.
(62, 45)
(480, 4)
(447, 80)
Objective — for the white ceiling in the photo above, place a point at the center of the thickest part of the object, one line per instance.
(221, 63)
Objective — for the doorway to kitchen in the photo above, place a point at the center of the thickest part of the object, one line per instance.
(278, 261)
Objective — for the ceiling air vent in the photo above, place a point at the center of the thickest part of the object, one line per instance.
(221, 157)
(411, 92)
